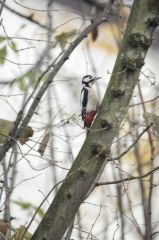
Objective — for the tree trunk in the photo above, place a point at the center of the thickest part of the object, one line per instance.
(93, 155)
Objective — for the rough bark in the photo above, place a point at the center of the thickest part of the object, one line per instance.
(92, 157)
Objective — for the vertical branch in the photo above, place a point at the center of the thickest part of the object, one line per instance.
(138, 160)
(9, 185)
(7, 191)
(2, 6)
(120, 204)
(69, 230)
(129, 203)
(152, 152)
(49, 103)
(119, 191)
(50, 117)
(14, 171)
(142, 189)
(79, 225)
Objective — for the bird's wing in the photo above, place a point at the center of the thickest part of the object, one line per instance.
(84, 100)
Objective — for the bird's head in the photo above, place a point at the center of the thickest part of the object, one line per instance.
(88, 80)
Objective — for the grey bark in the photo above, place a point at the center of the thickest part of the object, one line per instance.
(93, 155)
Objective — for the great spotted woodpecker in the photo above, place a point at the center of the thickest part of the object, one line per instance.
(89, 100)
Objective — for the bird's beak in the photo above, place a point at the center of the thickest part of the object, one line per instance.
(96, 78)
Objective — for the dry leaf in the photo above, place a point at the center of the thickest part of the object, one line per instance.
(43, 144)
(3, 227)
(63, 37)
(5, 128)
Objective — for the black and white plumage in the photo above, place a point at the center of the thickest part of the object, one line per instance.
(89, 100)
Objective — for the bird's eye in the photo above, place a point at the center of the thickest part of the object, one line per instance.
(90, 77)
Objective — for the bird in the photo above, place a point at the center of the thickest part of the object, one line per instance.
(89, 100)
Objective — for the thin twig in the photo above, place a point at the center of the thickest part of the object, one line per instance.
(148, 101)
(29, 18)
(49, 80)
(129, 178)
(37, 210)
(98, 215)
(133, 144)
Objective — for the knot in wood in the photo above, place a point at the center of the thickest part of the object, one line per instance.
(97, 147)
(106, 124)
(153, 21)
(118, 93)
(69, 195)
(139, 40)
(83, 173)
(132, 64)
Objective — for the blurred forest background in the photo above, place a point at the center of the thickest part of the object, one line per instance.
(124, 205)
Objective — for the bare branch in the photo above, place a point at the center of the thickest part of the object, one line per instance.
(2, 6)
(29, 18)
(133, 144)
(129, 178)
(42, 90)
